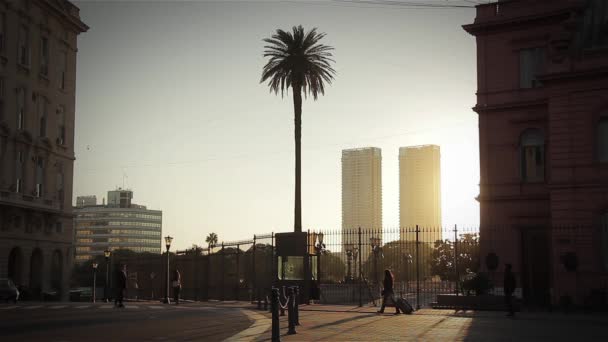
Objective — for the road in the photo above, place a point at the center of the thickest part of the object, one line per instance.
(148, 321)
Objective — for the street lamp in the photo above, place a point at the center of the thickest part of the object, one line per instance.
(168, 240)
(375, 243)
(351, 252)
(107, 253)
(319, 247)
(95, 265)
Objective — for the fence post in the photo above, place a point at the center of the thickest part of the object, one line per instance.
(456, 258)
(359, 274)
(237, 288)
(290, 312)
(276, 332)
(222, 271)
(254, 287)
(417, 269)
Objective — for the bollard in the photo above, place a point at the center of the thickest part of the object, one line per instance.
(296, 308)
(276, 331)
(291, 312)
(283, 297)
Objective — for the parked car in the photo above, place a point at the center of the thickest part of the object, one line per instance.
(8, 290)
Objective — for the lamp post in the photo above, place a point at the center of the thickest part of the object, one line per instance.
(168, 240)
(351, 253)
(95, 265)
(375, 243)
(320, 246)
(107, 253)
(408, 263)
(349, 259)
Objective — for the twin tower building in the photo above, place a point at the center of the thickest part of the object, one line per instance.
(419, 192)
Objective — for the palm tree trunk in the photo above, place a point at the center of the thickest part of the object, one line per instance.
(297, 108)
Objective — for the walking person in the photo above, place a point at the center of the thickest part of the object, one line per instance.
(177, 285)
(388, 292)
(509, 288)
(121, 286)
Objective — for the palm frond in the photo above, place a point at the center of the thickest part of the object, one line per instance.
(297, 59)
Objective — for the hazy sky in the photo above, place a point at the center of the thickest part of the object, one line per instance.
(169, 101)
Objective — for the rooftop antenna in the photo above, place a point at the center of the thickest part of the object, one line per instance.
(124, 178)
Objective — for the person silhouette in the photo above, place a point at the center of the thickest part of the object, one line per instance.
(509, 288)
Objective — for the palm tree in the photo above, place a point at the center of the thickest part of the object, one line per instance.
(211, 240)
(297, 60)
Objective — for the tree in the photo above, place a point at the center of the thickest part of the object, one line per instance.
(442, 257)
(211, 240)
(333, 269)
(297, 60)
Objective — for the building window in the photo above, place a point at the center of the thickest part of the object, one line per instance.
(39, 176)
(63, 69)
(2, 31)
(44, 56)
(19, 172)
(604, 233)
(602, 140)
(532, 149)
(42, 115)
(21, 108)
(58, 227)
(60, 183)
(61, 125)
(531, 64)
(1, 99)
(24, 46)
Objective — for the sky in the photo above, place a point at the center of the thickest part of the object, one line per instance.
(169, 104)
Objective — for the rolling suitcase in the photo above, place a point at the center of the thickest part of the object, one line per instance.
(404, 306)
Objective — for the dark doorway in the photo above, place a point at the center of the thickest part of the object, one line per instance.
(15, 265)
(36, 272)
(56, 270)
(536, 267)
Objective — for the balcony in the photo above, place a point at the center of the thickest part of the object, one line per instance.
(29, 201)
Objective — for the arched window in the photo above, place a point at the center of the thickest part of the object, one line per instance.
(532, 156)
(602, 140)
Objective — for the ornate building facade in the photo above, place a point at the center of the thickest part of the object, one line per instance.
(38, 41)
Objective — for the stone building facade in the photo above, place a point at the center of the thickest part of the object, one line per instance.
(542, 101)
(37, 98)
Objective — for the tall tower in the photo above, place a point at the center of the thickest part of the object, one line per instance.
(420, 191)
(361, 195)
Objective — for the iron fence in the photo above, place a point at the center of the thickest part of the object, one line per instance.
(348, 265)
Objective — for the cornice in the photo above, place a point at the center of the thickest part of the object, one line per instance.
(509, 105)
(52, 6)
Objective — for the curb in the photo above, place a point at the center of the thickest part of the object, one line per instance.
(260, 325)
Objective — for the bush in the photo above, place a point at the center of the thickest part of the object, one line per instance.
(479, 283)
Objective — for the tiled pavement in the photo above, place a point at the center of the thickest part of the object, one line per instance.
(342, 323)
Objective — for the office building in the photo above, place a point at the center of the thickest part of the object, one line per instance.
(420, 192)
(361, 194)
(118, 225)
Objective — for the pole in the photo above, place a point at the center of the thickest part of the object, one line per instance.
(254, 286)
(167, 300)
(222, 271)
(290, 312)
(417, 269)
(276, 331)
(94, 282)
(237, 289)
(106, 289)
(359, 276)
(456, 258)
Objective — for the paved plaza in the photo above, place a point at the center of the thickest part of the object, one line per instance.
(241, 321)
(344, 323)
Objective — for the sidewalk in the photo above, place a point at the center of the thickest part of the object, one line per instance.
(347, 323)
